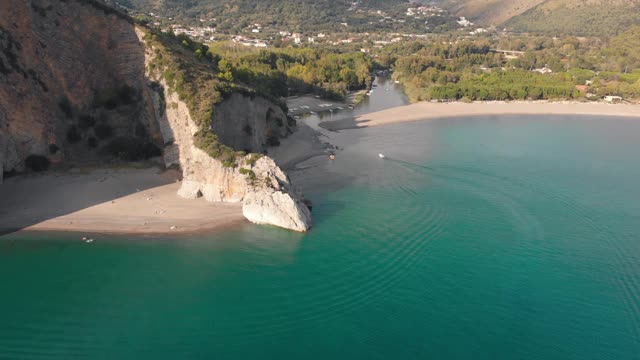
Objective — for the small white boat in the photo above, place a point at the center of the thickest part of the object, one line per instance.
(381, 156)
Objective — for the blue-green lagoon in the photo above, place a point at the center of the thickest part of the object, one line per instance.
(512, 237)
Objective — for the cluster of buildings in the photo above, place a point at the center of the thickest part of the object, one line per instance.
(243, 40)
(197, 32)
(354, 5)
(425, 11)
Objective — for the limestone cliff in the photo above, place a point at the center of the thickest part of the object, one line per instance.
(267, 195)
(72, 83)
(77, 86)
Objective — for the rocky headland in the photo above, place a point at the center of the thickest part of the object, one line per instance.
(82, 84)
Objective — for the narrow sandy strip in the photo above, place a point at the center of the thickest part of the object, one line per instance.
(428, 110)
(130, 201)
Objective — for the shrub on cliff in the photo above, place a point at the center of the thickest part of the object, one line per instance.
(72, 135)
(86, 121)
(36, 162)
(208, 142)
(141, 131)
(103, 131)
(65, 107)
(112, 98)
(131, 149)
(251, 160)
(248, 172)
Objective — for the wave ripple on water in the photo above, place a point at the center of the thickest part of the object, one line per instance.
(452, 245)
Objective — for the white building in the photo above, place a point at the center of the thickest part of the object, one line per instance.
(544, 70)
(612, 99)
(464, 22)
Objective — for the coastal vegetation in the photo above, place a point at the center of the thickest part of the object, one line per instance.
(282, 72)
(538, 68)
(189, 70)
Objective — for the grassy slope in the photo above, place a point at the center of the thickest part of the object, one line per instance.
(491, 12)
(578, 17)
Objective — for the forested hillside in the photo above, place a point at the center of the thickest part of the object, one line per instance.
(294, 15)
(548, 68)
(289, 71)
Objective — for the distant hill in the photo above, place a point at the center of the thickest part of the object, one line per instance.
(576, 17)
(296, 14)
(490, 11)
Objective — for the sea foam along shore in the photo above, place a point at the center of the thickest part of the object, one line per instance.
(429, 110)
(123, 201)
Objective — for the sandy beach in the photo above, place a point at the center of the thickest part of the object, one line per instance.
(428, 110)
(126, 201)
(144, 201)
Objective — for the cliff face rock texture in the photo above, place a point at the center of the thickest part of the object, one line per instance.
(75, 88)
(71, 82)
(249, 124)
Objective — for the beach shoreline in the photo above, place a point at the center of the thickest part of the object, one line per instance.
(109, 201)
(429, 111)
(130, 201)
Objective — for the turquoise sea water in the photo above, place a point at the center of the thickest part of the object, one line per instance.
(485, 238)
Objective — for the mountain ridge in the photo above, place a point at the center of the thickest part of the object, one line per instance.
(573, 17)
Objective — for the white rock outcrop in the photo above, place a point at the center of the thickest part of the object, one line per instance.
(278, 208)
(272, 199)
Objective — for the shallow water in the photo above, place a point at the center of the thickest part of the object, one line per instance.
(485, 238)
(385, 94)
